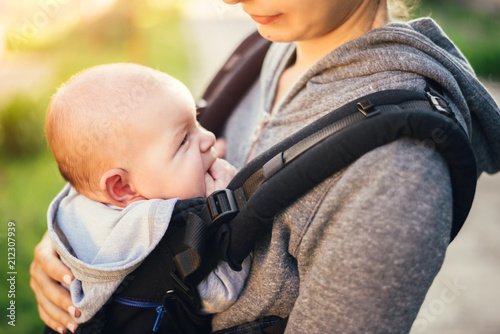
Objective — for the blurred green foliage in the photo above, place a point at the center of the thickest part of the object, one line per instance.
(475, 31)
(21, 128)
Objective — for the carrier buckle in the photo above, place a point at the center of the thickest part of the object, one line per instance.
(222, 205)
(367, 108)
(439, 104)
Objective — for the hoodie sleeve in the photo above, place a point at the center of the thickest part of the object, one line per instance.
(222, 287)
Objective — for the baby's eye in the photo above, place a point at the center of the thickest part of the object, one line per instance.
(184, 140)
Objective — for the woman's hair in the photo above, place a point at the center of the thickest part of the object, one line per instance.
(401, 9)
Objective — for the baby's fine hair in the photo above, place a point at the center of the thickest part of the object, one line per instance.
(88, 117)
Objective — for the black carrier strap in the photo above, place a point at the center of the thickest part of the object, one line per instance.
(232, 83)
(331, 144)
(257, 193)
(276, 178)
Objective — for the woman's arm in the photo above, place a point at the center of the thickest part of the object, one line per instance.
(54, 301)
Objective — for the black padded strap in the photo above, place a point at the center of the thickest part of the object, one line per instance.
(232, 82)
(267, 197)
(341, 121)
(188, 260)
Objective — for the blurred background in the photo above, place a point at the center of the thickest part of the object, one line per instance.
(44, 42)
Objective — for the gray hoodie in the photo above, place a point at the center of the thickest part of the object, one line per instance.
(359, 252)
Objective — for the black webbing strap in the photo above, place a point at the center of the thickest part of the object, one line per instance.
(272, 181)
(354, 116)
(188, 260)
(345, 135)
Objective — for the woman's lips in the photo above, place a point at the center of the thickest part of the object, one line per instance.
(260, 19)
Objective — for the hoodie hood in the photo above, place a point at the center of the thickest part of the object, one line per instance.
(396, 56)
(103, 244)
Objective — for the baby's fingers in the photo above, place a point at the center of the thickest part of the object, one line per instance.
(209, 184)
(222, 172)
(221, 147)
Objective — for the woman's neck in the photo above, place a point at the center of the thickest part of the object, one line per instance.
(362, 21)
(309, 52)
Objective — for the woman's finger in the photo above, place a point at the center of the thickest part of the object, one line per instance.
(47, 259)
(43, 285)
(54, 301)
(50, 322)
(55, 317)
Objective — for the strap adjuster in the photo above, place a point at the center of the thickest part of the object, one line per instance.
(222, 205)
(367, 108)
(438, 103)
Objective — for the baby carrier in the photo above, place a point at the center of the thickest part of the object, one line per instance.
(160, 296)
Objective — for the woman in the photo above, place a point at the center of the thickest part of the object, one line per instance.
(359, 252)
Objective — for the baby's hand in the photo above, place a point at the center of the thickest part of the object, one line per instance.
(220, 147)
(220, 173)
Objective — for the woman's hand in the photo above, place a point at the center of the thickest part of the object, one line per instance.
(220, 174)
(54, 301)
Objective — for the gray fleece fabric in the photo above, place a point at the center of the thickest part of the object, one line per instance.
(359, 252)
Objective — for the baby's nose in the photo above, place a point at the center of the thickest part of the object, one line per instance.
(207, 141)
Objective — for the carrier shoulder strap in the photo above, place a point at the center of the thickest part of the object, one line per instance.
(279, 176)
(232, 82)
(270, 182)
(355, 129)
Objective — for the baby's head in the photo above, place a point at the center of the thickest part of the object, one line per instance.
(125, 132)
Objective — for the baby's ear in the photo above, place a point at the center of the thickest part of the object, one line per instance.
(116, 187)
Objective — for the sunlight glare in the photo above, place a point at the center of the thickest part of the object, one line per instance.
(93, 8)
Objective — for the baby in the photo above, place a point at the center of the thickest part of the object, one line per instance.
(126, 139)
